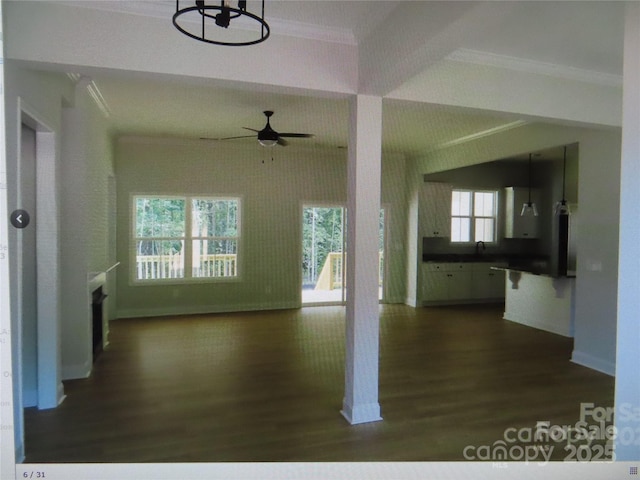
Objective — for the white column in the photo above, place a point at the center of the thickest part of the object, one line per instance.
(360, 403)
(627, 396)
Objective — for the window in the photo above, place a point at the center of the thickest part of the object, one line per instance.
(473, 216)
(185, 237)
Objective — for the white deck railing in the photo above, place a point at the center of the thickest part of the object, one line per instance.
(149, 267)
(216, 266)
(331, 274)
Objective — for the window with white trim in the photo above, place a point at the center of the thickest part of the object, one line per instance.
(182, 237)
(474, 216)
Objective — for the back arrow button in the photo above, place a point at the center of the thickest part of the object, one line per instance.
(20, 218)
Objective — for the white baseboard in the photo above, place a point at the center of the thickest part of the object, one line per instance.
(61, 395)
(594, 363)
(203, 309)
(411, 302)
(393, 300)
(72, 372)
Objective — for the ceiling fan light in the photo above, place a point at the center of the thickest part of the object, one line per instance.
(267, 142)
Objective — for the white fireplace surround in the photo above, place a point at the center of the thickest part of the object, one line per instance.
(95, 280)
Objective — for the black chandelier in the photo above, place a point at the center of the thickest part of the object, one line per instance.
(203, 21)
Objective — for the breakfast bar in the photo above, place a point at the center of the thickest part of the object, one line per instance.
(540, 300)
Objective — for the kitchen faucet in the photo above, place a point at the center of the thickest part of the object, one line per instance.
(478, 247)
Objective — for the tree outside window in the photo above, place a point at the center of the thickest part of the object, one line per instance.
(185, 237)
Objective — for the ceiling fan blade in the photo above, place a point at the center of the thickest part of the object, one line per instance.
(233, 138)
(282, 142)
(296, 135)
(252, 129)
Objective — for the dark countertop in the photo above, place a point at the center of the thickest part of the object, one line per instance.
(511, 259)
(539, 272)
(532, 264)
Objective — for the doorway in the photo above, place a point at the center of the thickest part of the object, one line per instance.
(324, 240)
(27, 283)
(36, 264)
(323, 250)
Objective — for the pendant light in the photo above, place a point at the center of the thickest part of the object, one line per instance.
(529, 208)
(561, 207)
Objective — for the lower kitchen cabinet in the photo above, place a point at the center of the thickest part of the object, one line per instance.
(461, 282)
(487, 283)
(446, 281)
(435, 286)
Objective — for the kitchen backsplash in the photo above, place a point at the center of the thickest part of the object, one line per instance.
(441, 246)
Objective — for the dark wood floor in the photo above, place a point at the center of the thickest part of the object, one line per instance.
(268, 386)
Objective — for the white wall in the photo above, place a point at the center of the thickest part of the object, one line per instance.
(394, 199)
(272, 196)
(412, 240)
(86, 169)
(627, 380)
(597, 256)
(42, 96)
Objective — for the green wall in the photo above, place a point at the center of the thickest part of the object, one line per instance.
(272, 196)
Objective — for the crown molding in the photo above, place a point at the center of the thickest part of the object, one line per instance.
(481, 134)
(535, 67)
(313, 32)
(81, 81)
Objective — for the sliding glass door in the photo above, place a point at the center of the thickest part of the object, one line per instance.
(323, 250)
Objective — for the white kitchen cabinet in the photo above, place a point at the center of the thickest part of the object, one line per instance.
(435, 210)
(435, 286)
(517, 226)
(487, 283)
(467, 282)
(459, 282)
(446, 282)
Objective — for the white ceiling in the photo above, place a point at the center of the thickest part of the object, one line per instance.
(170, 108)
(575, 36)
(579, 34)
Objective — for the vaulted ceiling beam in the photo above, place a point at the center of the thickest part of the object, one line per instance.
(417, 35)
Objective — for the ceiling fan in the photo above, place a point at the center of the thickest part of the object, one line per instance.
(268, 137)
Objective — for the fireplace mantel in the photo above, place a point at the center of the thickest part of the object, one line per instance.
(95, 280)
